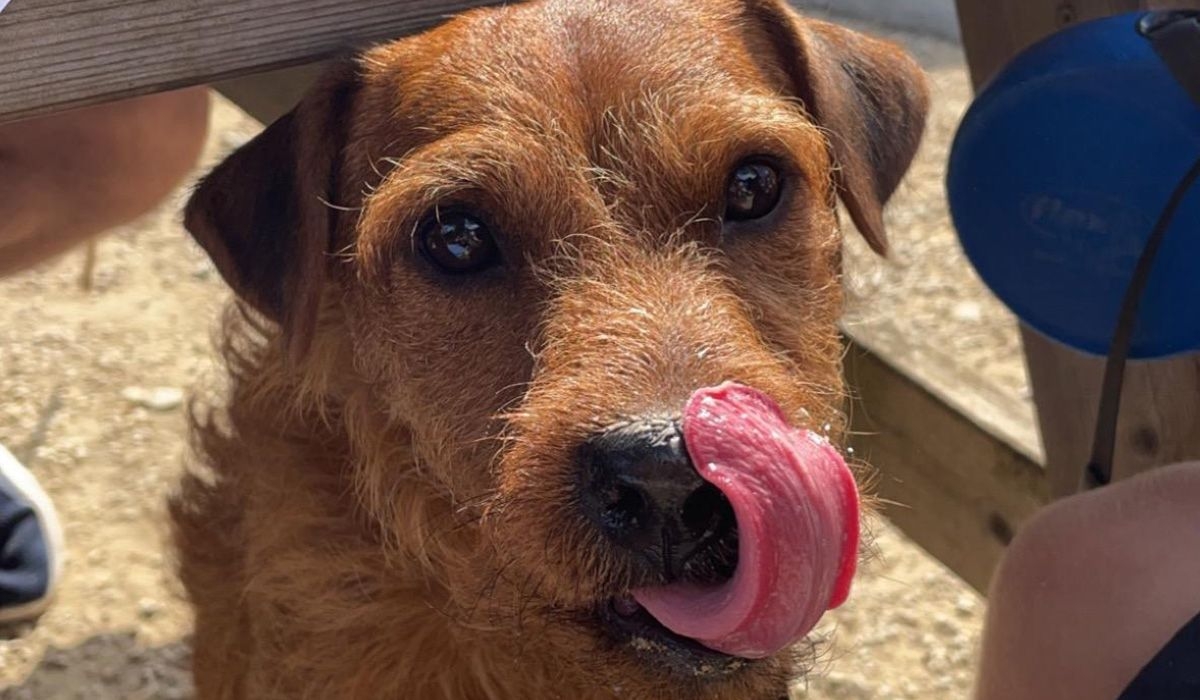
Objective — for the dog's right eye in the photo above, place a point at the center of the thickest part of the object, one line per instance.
(457, 241)
(752, 191)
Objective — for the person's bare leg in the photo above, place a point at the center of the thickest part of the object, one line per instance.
(69, 176)
(1092, 588)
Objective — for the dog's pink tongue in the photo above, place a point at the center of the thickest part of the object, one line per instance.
(796, 506)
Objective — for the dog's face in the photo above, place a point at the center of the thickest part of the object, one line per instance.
(537, 231)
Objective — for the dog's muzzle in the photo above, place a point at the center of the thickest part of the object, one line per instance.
(743, 529)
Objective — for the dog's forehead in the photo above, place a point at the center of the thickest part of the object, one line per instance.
(628, 111)
(570, 60)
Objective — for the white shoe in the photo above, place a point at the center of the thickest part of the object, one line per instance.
(31, 543)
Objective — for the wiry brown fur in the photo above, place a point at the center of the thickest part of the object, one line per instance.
(388, 506)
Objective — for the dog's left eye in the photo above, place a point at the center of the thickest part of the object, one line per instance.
(457, 241)
(752, 192)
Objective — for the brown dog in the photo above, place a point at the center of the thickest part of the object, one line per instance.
(488, 267)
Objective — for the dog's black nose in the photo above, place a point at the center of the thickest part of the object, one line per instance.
(641, 489)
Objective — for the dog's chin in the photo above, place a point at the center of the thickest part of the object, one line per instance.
(634, 631)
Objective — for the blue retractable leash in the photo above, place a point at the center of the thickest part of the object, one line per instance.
(1053, 212)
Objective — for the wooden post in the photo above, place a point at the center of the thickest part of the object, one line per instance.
(1160, 413)
(57, 54)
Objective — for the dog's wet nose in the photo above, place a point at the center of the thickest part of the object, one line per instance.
(641, 489)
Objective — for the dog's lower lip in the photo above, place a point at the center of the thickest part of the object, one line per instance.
(625, 606)
(630, 625)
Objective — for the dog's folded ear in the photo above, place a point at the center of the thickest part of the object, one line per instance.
(264, 215)
(869, 96)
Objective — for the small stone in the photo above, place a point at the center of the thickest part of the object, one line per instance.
(967, 311)
(148, 608)
(943, 626)
(204, 270)
(55, 659)
(109, 359)
(163, 398)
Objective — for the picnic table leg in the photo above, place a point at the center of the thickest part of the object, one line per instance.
(1160, 411)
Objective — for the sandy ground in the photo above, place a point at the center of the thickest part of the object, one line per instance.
(93, 382)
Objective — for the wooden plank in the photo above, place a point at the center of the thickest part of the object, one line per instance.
(66, 53)
(1160, 418)
(957, 460)
(1002, 415)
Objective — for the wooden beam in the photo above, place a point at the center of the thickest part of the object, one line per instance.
(1160, 417)
(56, 54)
(957, 461)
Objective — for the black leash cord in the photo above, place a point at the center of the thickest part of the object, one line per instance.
(1104, 444)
